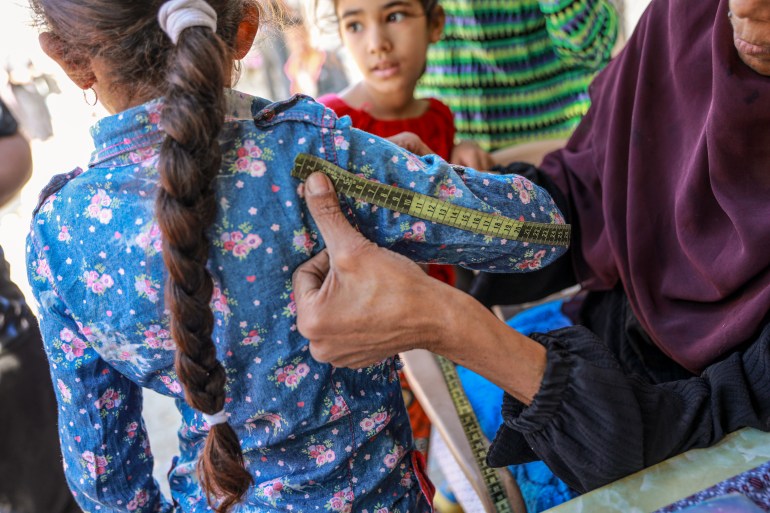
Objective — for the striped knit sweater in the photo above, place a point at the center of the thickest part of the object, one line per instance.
(518, 70)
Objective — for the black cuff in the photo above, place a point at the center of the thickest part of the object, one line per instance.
(509, 448)
(554, 389)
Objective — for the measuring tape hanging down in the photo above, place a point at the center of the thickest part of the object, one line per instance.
(472, 431)
(430, 208)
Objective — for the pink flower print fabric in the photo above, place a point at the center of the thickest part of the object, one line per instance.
(315, 438)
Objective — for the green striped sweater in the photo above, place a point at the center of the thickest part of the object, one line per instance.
(518, 70)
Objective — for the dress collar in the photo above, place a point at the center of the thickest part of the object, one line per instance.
(132, 136)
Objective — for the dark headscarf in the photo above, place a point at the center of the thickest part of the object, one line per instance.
(669, 177)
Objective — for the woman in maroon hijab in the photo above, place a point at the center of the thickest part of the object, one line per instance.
(667, 185)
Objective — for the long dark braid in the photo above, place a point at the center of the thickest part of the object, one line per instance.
(186, 206)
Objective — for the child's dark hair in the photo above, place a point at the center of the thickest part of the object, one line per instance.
(191, 76)
(322, 21)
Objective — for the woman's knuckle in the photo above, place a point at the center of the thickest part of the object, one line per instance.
(318, 352)
(307, 326)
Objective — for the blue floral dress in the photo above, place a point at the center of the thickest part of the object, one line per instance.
(315, 438)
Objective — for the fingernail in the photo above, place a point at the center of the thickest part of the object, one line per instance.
(317, 183)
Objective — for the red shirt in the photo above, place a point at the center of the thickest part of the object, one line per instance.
(436, 127)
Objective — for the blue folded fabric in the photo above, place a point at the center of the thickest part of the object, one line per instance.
(540, 489)
(540, 319)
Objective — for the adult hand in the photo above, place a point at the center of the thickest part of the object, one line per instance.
(411, 142)
(470, 154)
(533, 152)
(358, 303)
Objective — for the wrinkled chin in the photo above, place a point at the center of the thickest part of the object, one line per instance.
(760, 65)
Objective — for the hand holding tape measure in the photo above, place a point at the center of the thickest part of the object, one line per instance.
(309, 282)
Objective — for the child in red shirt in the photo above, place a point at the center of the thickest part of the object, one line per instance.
(389, 43)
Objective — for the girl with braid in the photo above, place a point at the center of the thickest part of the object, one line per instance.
(167, 264)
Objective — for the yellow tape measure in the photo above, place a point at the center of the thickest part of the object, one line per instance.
(430, 208)
(472, 431)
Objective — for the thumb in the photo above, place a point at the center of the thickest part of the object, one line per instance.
(324, 206)
(307, 281)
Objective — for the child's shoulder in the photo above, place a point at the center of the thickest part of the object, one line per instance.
(338, 104)
(333, 101)
(297, 108)
(300, 117)
(55, 185)
(439, 109)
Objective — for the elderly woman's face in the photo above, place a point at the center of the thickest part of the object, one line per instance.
(751, 31)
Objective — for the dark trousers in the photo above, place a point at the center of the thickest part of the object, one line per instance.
(31, 474)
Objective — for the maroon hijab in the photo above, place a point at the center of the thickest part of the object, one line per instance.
(669, 175)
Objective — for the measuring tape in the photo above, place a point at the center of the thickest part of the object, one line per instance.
(472, 431)
(430, 208)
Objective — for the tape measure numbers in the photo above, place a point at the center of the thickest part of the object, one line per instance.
(472, 431)
(430, 208)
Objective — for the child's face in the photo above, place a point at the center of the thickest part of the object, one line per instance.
(388, 39)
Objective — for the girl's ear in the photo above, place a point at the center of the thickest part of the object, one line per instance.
(78, 68)
(436, 24)
(247, 31)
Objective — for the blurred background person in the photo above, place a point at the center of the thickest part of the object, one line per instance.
(31, 476)
(26, 95)
(514, 71)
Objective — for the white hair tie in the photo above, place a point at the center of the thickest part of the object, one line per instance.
(217, 418)
(176, 15)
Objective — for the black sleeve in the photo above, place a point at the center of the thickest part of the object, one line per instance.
(16, 318)
(509, 289)
(593, 424)
(8, 125)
